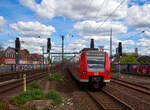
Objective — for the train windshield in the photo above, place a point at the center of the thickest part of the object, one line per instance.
(96, 63)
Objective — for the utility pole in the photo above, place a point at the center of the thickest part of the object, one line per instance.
(62, 49)
(43, 54)
(110, 46)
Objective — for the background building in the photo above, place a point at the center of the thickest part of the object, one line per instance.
(8, 57)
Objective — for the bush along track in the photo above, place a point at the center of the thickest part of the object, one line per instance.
(22, 98)
(55, 77)
(52, 96)
(34, 86)
(55, 97)
(34, 94)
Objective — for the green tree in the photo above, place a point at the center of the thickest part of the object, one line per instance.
(49, 60)
(26, 50)
(129, 60)
(116, 55)
(124, 54)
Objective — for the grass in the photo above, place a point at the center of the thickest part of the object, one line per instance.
(56, 77)
(34, 85)
(34, 93)
(22, 98)
(55, 97)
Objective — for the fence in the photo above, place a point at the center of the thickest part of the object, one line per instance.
(134, 68)
(21, 67)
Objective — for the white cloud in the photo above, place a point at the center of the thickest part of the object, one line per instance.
(128, 42)
(32, 29)
(81, 9)
(98, 39)
(2, 21)
(74, 47)
(143, 42)
(144, 46)
(138, 16)
(147, 33)
(32, 44)
(89, 27)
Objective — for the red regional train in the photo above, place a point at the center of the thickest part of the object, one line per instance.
(92, 67)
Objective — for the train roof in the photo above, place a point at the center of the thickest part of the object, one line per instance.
(89, 49)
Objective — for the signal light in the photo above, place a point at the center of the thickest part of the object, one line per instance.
(120, 48)
(17, 44)
(48, 45)
(84, 72)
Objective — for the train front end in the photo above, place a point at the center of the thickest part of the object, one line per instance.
(95, 68)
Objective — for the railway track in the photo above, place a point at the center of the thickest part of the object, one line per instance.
(133, 86)
(17, 75)
(107, 101)
(10, 85)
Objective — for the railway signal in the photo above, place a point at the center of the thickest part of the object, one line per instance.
(116, 50)
(120, 55)
(48, 45)
(120, 49)
(17, 44)
(17, 48)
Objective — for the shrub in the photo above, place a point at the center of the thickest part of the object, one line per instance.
(22, 98)
(34, 85)
(55, 96)
(55, 77)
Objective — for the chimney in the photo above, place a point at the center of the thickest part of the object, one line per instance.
(92, 43)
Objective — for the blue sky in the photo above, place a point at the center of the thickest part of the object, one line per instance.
(75, 18)
(13, 12)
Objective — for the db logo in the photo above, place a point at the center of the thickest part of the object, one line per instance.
(96, 73)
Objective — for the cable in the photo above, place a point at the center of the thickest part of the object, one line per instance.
(90, 3)
(135, 35)
(100, 9)
(110, 15)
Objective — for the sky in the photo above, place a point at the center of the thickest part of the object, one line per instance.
(78, 21)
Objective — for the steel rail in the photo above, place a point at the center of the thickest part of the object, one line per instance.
(103, 106)
(10, 85)
(133, 86)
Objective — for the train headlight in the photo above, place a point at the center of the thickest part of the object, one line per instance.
(84, 72)
(107, 72)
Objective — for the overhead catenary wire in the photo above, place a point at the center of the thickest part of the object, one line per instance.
(99, 10)
(135, 35)
(90, 3)
(110, 15)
